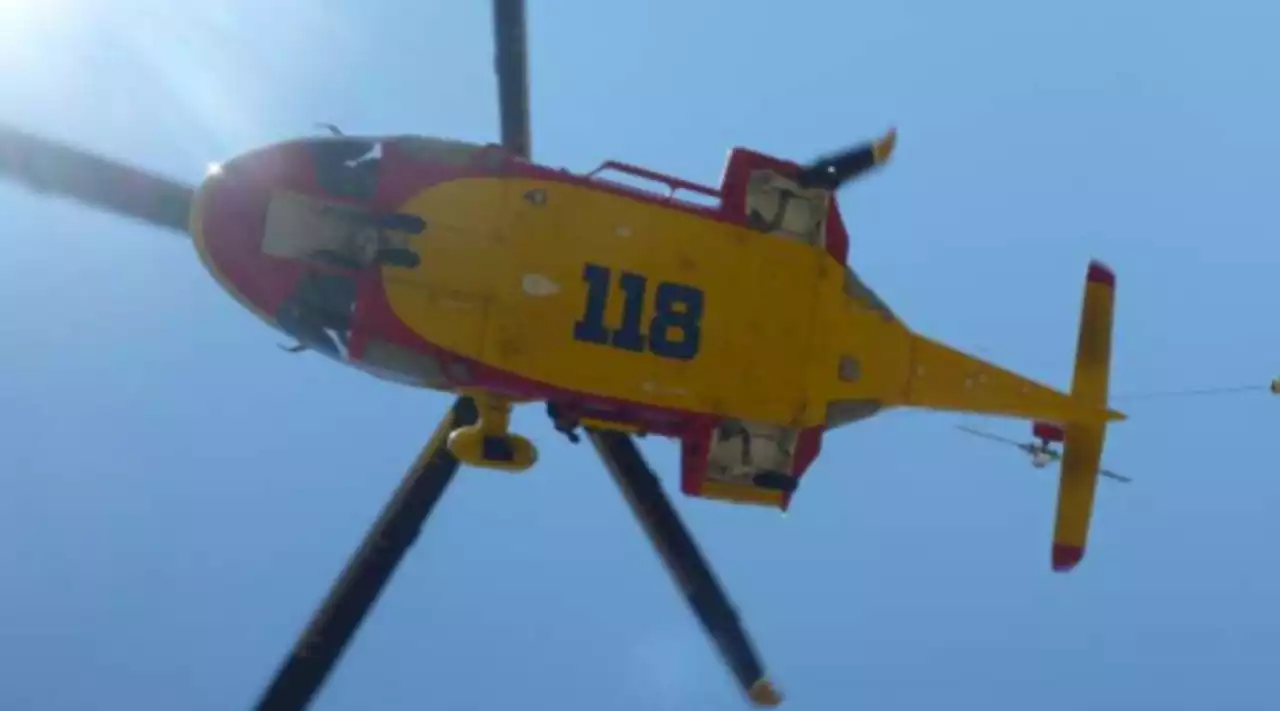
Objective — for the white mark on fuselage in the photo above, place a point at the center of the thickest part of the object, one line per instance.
(539, 285)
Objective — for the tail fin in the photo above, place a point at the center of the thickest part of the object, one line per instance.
(1082, 451)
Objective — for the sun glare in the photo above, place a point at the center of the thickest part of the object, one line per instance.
(22, 17)
(29, 27)
(18, 10)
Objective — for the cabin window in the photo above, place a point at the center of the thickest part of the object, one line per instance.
(393, 362)
(319, 312)
(437, 150)
(742, 449)
(777, 205)
(338, 236)
(856, 289)
(347, 167)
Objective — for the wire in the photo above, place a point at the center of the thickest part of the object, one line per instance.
(1190, 393)
(1173, 394)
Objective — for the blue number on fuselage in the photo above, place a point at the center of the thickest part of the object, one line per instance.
(675, 329)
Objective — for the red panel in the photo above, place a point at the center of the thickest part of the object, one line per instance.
(695, 447)
(1100, 273)
(808, 446)
(737, 172)
(1048, 432)
(1066, 557)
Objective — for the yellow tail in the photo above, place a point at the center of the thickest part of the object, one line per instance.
(1082, 449)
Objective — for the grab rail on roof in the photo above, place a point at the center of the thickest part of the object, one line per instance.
(673, 183)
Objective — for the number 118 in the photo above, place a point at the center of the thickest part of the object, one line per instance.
(674, 330)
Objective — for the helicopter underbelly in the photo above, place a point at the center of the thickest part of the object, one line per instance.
(538, 286)
(596, 293)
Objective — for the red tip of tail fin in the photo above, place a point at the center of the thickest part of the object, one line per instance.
(1048, 432)
(1100, 273)
(1066, 557)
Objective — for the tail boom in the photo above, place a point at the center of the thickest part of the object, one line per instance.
(944, 378)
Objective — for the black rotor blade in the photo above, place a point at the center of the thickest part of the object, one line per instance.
(367, 573)
(832, 171)
(50, 167)
(673, 542)
(1112, 475)
(512, 65)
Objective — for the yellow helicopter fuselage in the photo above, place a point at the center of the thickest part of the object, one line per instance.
(539, 284)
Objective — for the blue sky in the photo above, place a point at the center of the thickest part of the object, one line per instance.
(178, 494)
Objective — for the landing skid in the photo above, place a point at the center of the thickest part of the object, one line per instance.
(335, 623)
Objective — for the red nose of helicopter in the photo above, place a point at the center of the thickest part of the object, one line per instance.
(280, 230)
(229, 222)
(294, 230)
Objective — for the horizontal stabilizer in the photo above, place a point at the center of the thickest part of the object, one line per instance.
(1082, 450)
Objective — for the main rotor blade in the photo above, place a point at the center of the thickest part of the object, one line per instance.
(360, 584)
(512, 65)
(50, 167)
(1113, 475)
(690, 570)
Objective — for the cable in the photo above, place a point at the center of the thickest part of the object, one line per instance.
(1190, 393)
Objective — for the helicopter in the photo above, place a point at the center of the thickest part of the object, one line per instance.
(1041, 450)
(730, 323)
